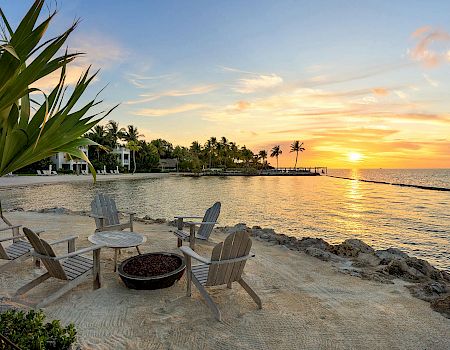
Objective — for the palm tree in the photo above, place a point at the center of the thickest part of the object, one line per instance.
(134, 146)
(263, 155)
(276, 151)
(131, 134)
(196, 148)
(98, 135)
(296, 146)
(209, 149)
(114, 133)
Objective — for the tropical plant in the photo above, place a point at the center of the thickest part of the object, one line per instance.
(114, 133)
(296, 146)
(55, 126)
(263, 156)
(134, 146)
(131, 134)
(28, 331)
(276, 152)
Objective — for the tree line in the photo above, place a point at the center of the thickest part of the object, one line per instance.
(145, 156)
(214, 153)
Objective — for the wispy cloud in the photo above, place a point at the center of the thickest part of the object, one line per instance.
(98, 51)
(254, 82)
(424, 52)
(159, 112)
(195, 90)
(257, 83)
(432, 82)
(141, 81)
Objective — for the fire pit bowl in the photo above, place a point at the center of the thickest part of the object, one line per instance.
(152, 270)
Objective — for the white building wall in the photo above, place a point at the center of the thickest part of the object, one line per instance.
(63, 161)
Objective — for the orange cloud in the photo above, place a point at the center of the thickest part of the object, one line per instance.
(380, 91)
(423, 52)
(159, 112)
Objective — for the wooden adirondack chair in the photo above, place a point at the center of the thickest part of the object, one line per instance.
(206, 226)
(106, 215)
(19, 250)
(226, 265)
(71, 267)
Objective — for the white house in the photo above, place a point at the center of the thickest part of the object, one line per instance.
(124, 156)
(63, 161)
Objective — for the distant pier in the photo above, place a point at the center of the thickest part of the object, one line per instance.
(308, 171)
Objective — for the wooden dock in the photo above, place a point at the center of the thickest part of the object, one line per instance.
(309, 171)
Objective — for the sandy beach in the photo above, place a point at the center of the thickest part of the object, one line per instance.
(307, 304)
(11, 181)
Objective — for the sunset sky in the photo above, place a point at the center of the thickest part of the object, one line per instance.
(362, 83)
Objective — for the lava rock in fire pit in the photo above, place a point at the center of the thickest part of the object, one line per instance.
(152, 270)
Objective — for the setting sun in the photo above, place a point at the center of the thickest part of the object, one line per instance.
(354, 157)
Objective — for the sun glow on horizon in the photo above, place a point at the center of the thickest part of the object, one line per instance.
(355, 156)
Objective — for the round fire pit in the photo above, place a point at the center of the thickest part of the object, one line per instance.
(152, 270)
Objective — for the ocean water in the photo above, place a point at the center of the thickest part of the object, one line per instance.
(412, 219)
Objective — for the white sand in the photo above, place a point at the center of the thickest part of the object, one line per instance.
(10, 181)
(306, 303)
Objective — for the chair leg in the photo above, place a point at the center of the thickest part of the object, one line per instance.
(188, 275)
(116, 252)
(229, 285)
(208, 299)
(179, 243)
(251, 292)
(32, 284)
(139, 252)
(63, 290)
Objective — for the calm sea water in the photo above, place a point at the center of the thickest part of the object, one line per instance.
(415, 220)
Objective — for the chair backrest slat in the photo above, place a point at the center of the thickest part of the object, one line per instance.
(105, 206)
(235, 246)
(41, 247)
(211, 215)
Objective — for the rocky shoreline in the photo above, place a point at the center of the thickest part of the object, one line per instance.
(356, 258)
(353, 257)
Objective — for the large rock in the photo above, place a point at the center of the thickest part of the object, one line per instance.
(241, 227)
(318, 243)
(366, 260)
(430, 290)
(322, 254)
(400, 269)
(425, 268)
(442, 305)
(390, 254)
(351, 248)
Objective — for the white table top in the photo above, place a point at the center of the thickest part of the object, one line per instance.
(117, 239)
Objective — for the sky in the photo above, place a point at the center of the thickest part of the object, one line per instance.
(363, 84)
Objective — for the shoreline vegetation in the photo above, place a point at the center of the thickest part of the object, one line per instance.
(353, 257)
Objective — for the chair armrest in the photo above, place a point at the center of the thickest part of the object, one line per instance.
(10, 227)
(96, 216)
(79, 252)
(126, 212)
(11, 238)
(192, 254)
(62, 240)
(188, 217)
(201, 222)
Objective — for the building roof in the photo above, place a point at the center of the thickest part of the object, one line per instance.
(168, 163)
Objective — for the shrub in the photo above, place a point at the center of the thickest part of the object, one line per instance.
(28, 331)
